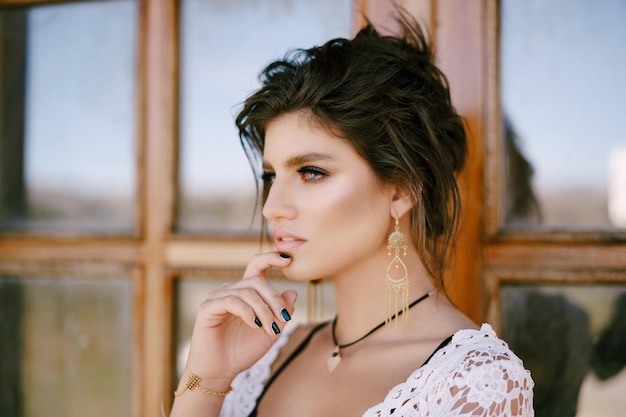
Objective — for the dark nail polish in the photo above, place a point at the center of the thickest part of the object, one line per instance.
(285, 314)
(284, 256)
(258, 322)
(275, 328)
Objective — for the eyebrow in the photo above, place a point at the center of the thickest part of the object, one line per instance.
(303, 159)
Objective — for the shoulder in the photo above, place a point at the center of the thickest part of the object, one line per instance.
(476, 374)
(475, 352)
(479, 343)
(488, 379)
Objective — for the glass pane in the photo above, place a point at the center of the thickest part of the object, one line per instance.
(66, 346)
(192, 291)
(224, 46)
(67, 117)
(573, 340)
(562, 94)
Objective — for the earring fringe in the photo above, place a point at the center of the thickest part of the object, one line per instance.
(314, 300)
(397, 280)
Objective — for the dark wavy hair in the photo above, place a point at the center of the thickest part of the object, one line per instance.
(386, 97)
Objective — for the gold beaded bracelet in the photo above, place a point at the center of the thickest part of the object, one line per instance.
(193, 383)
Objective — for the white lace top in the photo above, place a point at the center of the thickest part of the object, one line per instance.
(476, 374)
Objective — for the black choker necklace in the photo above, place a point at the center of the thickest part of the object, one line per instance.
(335, 358)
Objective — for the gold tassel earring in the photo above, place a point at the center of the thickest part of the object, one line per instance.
(397, 281)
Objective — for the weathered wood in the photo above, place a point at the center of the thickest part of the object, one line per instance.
(159, 22)
(459, 45)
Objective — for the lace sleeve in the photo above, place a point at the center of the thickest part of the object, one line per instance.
(491, 386)
(475, 375)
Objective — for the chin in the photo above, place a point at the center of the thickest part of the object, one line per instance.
(300, 273)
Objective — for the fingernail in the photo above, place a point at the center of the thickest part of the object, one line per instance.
(284, 256)
(275, 328)
(285, 314)
(258, 322)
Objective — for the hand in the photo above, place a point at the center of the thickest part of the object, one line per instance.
(226, 338)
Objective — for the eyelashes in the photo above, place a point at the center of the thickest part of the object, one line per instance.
(307, 174)
(311, 174)
(268, 177)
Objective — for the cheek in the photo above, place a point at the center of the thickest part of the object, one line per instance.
(349, 201)
(350, 228)
(361, 232)
(357, 209)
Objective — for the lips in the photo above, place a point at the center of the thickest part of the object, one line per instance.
(286, 241)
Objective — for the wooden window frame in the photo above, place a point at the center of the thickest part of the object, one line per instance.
(555, 256)
(153, 254)
(465, 35)
(142, 253)
(495, 279)
(156, 255)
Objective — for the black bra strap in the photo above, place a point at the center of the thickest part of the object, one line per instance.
(441, 345)
(282, 367)
(299, 350)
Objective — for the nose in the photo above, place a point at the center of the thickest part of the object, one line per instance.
(279, 204)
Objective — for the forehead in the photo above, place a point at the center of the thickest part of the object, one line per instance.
(295, 139)
(298, 133)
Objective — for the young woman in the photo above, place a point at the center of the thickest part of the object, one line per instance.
(360, 147)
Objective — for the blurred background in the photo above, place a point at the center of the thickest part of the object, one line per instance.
(125, 195)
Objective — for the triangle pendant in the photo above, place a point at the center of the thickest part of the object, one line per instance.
(334, 359)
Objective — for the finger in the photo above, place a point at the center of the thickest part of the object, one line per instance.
(214, 310)
(260, 313)
(282, 311)
(263, 261)
(265, 315)
(290, 297)
(271, 299)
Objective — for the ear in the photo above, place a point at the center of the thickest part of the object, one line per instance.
(402, 201)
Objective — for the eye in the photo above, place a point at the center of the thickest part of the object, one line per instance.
(311, 174)
(268, 177)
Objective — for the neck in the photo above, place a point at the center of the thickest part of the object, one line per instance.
(361, 297)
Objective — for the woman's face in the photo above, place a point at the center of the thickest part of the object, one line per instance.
(327, 208)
